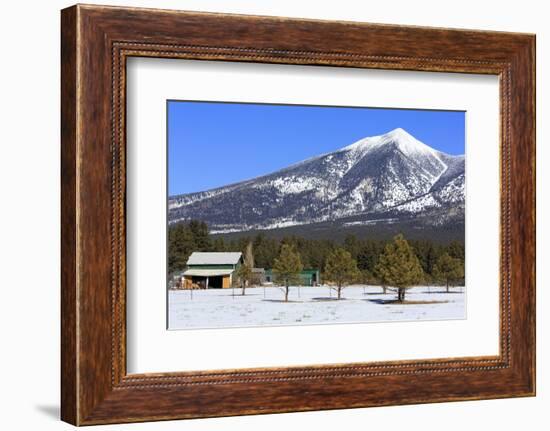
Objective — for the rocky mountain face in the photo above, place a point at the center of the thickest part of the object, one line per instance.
(378, 179)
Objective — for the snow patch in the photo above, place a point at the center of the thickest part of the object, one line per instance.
(224, 308)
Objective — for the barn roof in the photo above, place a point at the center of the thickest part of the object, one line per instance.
(207, 272)
(214, 258)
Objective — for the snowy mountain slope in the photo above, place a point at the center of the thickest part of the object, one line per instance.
(391, 173)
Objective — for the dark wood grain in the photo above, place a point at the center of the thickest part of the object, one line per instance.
(69, 398)
(96, 41)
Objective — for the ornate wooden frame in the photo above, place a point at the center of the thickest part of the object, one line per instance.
(95, 43)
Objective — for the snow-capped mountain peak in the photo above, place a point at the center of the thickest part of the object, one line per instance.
(398, 137)
(407, 143)
(375, 175)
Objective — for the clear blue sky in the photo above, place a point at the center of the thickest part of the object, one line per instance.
(211, 144)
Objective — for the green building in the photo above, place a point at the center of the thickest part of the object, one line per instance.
(308, 277)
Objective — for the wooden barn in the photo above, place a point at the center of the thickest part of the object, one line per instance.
(211, 270)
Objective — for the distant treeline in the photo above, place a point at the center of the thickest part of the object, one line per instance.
(184, 238)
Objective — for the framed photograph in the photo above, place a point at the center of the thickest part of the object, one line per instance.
(271, 202)
(266, 215)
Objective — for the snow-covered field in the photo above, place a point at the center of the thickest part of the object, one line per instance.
(222, 308)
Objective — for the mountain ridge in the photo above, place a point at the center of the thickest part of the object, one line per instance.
(393, 173)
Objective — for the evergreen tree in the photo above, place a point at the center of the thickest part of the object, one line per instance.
(287, 268)
(367, 256)
(185, 238)
(244, 274)
(181, 244)
(456, 249)
(218, 244)
(431, 257)
(303, 247)
(399, 267)
(368, 277)
(448, 269)
(427, 255)
(352, 245)
(319, 251)
(199, 230)
(379, 271)
(341, 269)
(265, 250)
